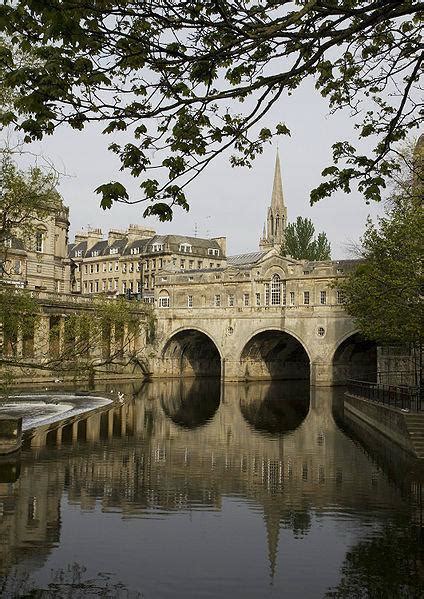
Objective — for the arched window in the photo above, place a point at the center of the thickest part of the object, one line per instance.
(39, 241)
(275, 290)
(163, 300)
(277, 223)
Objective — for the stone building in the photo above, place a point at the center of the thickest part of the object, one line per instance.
(128, 262)
(40, 261)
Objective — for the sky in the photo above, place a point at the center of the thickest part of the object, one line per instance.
(225, 201)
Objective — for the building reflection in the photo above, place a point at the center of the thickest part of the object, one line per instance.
(179, 445)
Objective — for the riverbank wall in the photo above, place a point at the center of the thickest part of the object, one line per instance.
(406, 429)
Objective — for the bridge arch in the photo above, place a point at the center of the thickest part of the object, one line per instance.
(354, 357)
(273, 354)
(191, 352)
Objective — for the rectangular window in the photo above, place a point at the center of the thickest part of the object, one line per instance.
(110, 266)
(86, 269)
(182, 264)
(116, 266)
(96, 286)
(164, 301)
(137, 267)
(115, 284)
(91, 268)
(323, 297)
(306, 298)
(91, 287)
(131, 286)
(266, 294)
(189, 301)
(291, 298)
(131, 266)
(160, 262)
(199, 264)
(217, 301)
(340, 297)
(124, 286)
(85, 286)
(246, 299)
(104, 266)
(97, 267)
(124, 267)
(109, 284)
(258, 299)
(191, 264)
(17, 267)
(231, 300)
(138, 286)
(103, 285)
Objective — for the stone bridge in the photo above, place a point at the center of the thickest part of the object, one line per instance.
(319, 343)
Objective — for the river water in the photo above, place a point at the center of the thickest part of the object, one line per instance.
(191, 489)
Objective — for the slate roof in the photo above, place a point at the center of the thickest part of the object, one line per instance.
(245, 259)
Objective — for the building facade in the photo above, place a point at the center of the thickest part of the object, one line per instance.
(38, 261)
(129, 262)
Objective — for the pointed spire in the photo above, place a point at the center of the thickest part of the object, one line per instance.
(277, 201)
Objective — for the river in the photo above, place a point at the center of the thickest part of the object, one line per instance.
(189, 489)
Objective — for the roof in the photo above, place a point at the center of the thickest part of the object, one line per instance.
(245, 259)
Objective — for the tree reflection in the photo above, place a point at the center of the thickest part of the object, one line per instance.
(66, 583)
(390, 565)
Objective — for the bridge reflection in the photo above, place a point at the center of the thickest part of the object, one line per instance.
(178, 445)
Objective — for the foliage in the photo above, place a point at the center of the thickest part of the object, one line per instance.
(27, 198)
(384, 293)
(79, 342)
(175, 83)
(388, 564)
(300, 243)
(71, 582)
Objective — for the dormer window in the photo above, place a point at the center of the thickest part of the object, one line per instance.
(135, 250)
(213, 252)
(157, 247)
(185, 247)
(78, 254)
(94, 253)
(7, 243)
(113, 251)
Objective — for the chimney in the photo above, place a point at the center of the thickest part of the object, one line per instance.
(93, 236)
(80, 236)
(222, 242)
(114, 235)
(138, 232)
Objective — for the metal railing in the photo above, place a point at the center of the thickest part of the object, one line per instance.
(403, 397)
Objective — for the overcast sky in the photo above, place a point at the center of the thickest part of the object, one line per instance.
(225, 201)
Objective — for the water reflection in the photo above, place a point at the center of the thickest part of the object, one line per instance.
(247, 489)
(275, 408)
(189, 403)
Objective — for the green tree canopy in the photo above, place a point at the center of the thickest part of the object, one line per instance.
(300, 241)
(385, 292)
(174, 83)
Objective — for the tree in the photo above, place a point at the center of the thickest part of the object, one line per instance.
(385, 292)
(26, 199)
(175, 83)
(299, 241)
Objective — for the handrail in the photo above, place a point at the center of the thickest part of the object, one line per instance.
(407, 398)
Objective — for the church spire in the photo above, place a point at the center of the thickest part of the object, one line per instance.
(277, 213)
(277, 199)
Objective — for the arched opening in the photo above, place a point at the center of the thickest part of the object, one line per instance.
(355, 358)
(274, 355)
(275, 409)
(191, 403)
(191, 353)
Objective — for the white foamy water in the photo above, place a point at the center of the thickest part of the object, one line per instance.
(37, 410)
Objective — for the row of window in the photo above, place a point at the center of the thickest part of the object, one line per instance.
(113, 285)
(156, 247)
(149, 264)
(217, 300)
